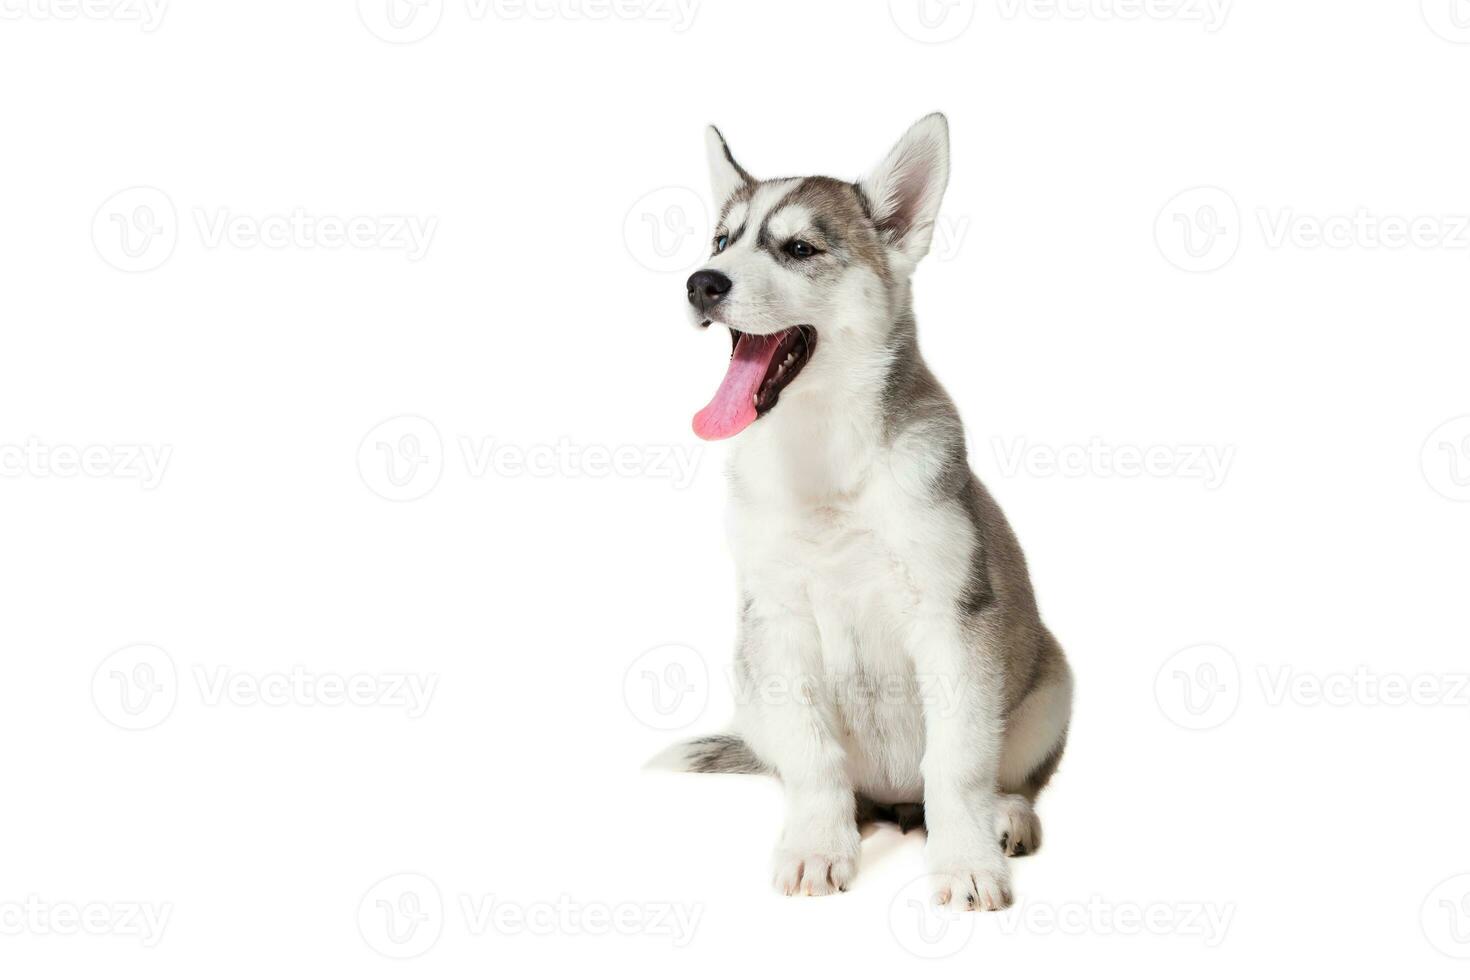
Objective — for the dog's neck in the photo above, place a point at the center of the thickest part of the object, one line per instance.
(821, 442)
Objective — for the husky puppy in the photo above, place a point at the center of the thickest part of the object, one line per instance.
(891, 658)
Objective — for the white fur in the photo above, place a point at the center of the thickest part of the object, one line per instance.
(724, 177)
(906, 188)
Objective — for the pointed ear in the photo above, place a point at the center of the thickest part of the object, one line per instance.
(904, 190)
(725, 175)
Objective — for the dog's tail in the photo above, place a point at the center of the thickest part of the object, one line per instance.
(711, 753)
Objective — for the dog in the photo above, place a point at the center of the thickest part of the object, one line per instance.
(891, 661)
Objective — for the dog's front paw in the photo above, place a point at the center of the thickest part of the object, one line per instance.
(972, 889)
(814, 871)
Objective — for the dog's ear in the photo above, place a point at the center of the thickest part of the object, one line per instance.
(904, 190)
(725, 175)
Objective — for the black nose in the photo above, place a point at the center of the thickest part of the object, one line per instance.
(706, 288)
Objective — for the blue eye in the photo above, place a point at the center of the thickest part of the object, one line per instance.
(721, 243)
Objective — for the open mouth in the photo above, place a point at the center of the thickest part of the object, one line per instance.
(761, 366)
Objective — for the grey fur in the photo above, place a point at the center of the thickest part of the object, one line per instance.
(998, 599)
(724, 146)
(721, 753)
(1042, 774)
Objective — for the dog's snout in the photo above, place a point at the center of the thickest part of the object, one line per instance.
(706, 288)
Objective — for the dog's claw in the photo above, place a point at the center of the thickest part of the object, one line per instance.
(1017, 826)
(814, 873)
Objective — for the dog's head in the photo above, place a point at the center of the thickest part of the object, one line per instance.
(799, 260)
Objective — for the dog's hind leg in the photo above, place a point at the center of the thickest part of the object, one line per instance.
(1036, 734)
(908, 816)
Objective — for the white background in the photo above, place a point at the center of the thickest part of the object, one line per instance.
(526, 588)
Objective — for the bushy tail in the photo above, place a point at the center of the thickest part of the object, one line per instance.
(711, 753)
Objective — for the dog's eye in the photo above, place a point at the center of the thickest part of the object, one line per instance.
(799, 249)
(721, 243)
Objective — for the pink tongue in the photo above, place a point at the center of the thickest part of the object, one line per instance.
(733, 407)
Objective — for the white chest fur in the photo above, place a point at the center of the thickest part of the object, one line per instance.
(844, 539)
